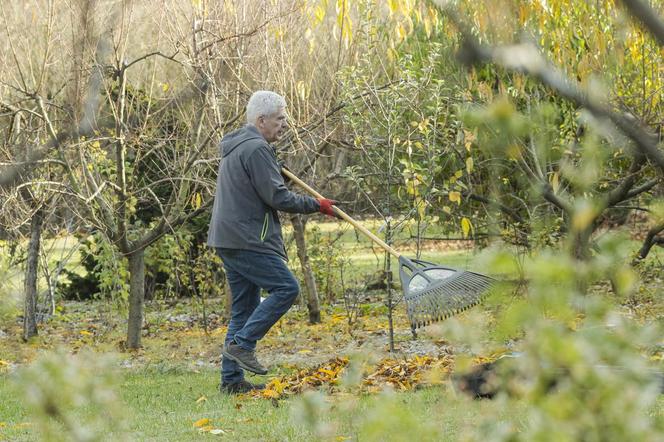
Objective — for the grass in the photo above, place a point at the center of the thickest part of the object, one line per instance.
(165, 404)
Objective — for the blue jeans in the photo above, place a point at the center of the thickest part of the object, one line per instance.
(247, 273)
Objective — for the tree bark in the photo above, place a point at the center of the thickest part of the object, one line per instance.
(30, 284)
(651, 240)
(136, 298)
(313, 303)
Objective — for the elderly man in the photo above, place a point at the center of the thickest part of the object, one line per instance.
(246, 233)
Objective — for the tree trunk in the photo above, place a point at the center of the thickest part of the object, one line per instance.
(136, 298)
(313, 303)
(388, 274)
(30, 284)
(581, 251)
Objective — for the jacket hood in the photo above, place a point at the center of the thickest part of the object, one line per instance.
(237, 137)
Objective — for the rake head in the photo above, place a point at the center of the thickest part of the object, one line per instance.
(434, 293)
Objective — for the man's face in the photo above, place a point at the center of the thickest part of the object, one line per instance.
(274, 126)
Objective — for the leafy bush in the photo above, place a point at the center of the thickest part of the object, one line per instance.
(60, 388)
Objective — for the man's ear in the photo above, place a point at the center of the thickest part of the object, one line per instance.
(260, 120)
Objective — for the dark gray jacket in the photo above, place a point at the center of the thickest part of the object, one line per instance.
(250, 190)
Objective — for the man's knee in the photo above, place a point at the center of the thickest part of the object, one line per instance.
(290, 290)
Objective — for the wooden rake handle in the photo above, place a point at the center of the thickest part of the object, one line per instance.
(342, 214)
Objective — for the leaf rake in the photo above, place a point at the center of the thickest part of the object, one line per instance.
(432, 292)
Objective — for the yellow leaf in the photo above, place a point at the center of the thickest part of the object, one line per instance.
(469, 137)
(206, 429)
(421, 209)
(304, 351)
(469, 164)
(393, 5)
(326, 371)
(447, 210)
(270, 394)
(202, 422)
(455, 197)
(555, 182)
(401, 32)
(85, 333)
(165, 87)
(466, 226)
(319, 15)
(201, 399)
(198, 201)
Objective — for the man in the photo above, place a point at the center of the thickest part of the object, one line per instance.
(246, 233)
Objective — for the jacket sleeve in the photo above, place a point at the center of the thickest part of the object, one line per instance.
(266, 178)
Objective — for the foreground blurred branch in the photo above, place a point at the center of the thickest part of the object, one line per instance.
(648, 17)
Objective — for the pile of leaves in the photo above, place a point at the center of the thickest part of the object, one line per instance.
(323, 374)
(404, 374)
(407, 374)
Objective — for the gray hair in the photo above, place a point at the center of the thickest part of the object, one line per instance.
(264, 103)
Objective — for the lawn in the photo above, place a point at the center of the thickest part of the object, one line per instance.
(166, 404)
(168, 390)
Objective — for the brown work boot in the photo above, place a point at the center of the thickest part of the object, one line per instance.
(245, 358)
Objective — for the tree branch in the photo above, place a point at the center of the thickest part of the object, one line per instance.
(651, 240)
(648, 18)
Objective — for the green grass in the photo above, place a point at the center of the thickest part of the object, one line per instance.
(164, 404)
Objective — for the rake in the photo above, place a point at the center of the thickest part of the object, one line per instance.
(432, 292)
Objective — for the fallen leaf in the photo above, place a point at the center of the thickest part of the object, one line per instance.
(270, 394)
(201, 399)
(202, 422)
(217, 431)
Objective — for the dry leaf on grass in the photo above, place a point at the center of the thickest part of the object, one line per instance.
(202, 422)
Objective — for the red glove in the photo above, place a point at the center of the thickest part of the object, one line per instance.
(326, 207)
